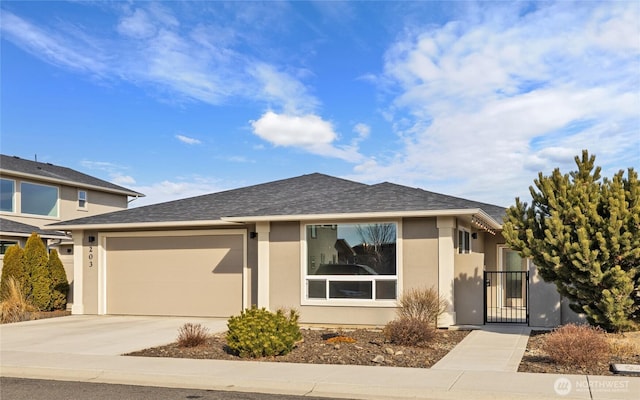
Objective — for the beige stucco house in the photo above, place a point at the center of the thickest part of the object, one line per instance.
(341, 252)
(35, 194)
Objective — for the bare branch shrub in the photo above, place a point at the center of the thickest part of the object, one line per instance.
(422, 304)
(581, 345)
(409, 332)
(192, 335)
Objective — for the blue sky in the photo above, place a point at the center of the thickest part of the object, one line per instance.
(176, 99)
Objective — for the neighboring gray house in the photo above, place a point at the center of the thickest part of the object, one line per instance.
(341, 252)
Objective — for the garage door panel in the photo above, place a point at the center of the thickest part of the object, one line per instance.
(175, 275)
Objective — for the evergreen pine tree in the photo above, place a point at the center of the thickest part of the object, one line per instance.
(583, 233)
(59, 283)
(36, 260)
(12, 266)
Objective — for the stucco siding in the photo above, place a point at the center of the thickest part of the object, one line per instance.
(284, 265)
(469, 289)
(419, 253)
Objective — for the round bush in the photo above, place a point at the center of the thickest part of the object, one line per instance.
(409, 332)
(259, 333)
(581, 345)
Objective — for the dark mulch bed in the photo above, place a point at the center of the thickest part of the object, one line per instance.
(370, 345)
(536, 360)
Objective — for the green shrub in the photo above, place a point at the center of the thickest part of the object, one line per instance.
(192, 335)
(259, 333)
(422, 304)
(36, 260)
(13, 267)
(59, 282)
(581, 345)
(409, 332)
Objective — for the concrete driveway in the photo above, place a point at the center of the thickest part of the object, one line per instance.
(96, 335)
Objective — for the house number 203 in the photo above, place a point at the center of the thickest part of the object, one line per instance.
(90, 256)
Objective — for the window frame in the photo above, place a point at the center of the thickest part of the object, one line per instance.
(22, 199)
(349, 302)
(13, 196)
(85, 199)
(465, 235)
(5, 244)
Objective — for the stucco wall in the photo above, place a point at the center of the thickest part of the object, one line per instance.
(419, 253)
(491, 243)
(284, 265)
(469, 289)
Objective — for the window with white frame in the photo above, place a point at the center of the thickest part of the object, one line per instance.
(464, 241)
(5, 244)
(7, 195)
(38, 199)
(82, 199)
(351, 261)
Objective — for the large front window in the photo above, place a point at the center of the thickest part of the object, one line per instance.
(39, 199)
(7, 194)
(351, 261)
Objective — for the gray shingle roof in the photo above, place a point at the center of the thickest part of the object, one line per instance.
(311, 194)
(55, 173)
(20, 229)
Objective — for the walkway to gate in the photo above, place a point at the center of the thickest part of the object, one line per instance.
(492, 348)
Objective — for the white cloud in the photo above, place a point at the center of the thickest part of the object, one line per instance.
(137, 25)
(52, 46)
(363, 130)
(501, 94)
(188, 140)
(168, 190)
(123, 180)
(308, 132)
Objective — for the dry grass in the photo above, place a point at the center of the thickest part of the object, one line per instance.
(192, 335)
(580, 345)
(15, 307)
(626, 345)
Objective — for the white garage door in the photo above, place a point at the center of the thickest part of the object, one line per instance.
(195, 275)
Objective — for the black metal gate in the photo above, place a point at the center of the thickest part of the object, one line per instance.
(506, 297)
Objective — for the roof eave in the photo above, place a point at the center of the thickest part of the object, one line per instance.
(141, 225)
(70, 183)
(368, 215)
(42, 235)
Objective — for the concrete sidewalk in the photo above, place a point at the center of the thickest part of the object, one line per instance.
(454, 378)
(491, 348)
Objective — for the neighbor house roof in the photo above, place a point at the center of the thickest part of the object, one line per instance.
(14, 228)
(56, 174)
(304, 197)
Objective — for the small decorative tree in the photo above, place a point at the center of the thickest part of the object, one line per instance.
(36, 260)
(13, 267)
(583, 233)
(59, 282)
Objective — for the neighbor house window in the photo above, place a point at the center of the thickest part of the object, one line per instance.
(39, 199)
(464, 242)
(5, 244)
(351, 261)
(7, 195)
(82, 199)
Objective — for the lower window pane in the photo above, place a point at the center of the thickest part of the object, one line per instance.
(317, 289)
(350, 290)
(385, 290)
